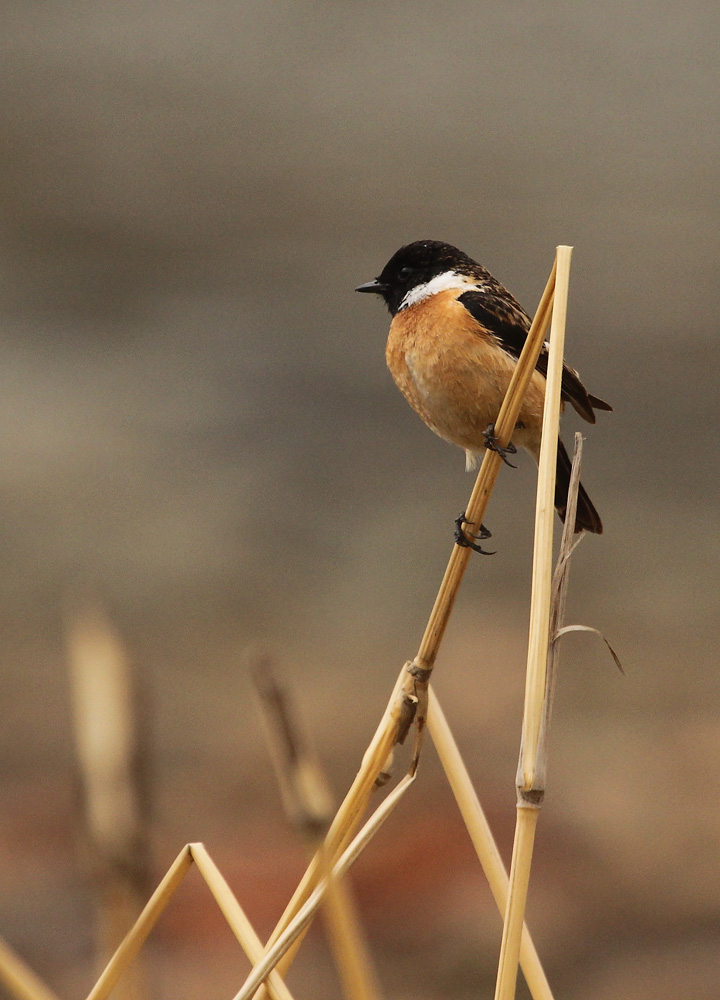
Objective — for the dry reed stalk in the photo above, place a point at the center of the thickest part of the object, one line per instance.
(108, 747)
(482, 839)
(544, 523)
(236, 918)
(530, 791)
(408, 701)
(306, 912)
(224, 897)
(19, 979)
(525, 824)
(138, 933)
(308, 804)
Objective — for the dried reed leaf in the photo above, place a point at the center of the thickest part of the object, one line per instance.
(588, 628)
(560, 581)
(347, 940)
(347, 818)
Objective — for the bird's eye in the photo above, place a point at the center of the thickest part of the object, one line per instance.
(404, 273)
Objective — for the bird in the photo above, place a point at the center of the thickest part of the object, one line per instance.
(455, 338)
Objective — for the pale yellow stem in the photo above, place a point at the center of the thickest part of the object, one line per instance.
(482, 839)
(236, 918)
(544, 521)
(526, 823)
(530, 789)
(135, 938)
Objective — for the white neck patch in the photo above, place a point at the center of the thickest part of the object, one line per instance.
(440, 283)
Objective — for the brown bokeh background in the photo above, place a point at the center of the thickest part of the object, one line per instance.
(199, 429)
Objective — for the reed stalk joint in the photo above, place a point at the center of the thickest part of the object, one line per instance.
(421, 674)
(530, 798)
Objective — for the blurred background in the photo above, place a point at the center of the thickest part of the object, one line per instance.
(199, 432)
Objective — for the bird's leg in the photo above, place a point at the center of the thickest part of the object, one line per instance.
(467, 541)
(492, 444)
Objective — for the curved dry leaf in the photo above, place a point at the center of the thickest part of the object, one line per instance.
(588, 628)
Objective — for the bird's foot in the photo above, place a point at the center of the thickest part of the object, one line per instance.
(492, 444)
(467, 541)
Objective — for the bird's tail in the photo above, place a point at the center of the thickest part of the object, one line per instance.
(587, 518)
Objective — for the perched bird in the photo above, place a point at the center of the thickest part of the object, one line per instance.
(455, 337)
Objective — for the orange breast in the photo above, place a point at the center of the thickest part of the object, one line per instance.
(454, 374)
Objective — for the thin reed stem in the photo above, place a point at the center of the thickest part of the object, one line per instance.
(482, 839)
(236, 918)
(136, 936)
(544, 523)
(526, 823)
(530, 791)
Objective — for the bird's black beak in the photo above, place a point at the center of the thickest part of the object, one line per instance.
(375, 286)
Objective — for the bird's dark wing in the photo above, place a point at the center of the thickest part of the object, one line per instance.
(499, 313)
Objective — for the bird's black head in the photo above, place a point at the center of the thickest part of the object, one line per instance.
(417, 264)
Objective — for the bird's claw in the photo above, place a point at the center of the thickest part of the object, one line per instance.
(492, 444)
(467, 541)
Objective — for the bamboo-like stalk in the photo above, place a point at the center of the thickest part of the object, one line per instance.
(529, 793)
(483, 841)
(544, 522)
(137, 935)
(410, 692)
(525, 824)
(236, 918)
(19, 979)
